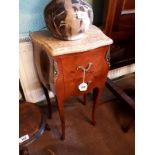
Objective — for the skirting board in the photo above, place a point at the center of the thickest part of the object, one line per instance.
(29, 79)
(118, 72)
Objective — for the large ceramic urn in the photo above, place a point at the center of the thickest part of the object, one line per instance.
(68, 19)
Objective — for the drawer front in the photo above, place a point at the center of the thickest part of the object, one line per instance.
(95, 63)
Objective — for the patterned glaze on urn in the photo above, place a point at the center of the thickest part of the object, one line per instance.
(68, 19)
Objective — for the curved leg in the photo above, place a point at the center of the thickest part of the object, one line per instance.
(47, 127)
(48, 102)
(96, 94)
(60, 104)
(130, 124)
(84, 99)
(24, 151)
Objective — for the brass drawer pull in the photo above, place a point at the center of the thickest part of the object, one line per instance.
(83, 86)
(85, 69)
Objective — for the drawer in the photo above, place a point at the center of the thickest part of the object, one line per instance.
(73, 74)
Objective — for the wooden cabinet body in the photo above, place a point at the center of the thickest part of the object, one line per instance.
(117, 20)
(120, 19)
(73, 77)
(120, 26)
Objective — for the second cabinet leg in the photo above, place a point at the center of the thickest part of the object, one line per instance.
(48, 101)
(96, 94)
(60, 104)
(84, 99)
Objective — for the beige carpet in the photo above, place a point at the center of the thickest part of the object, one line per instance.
(106, 138)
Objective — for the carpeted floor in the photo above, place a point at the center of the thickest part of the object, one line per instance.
(106, 138)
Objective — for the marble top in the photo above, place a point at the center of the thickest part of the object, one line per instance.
(92, 39)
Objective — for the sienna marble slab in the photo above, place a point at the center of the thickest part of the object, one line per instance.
(92, 39)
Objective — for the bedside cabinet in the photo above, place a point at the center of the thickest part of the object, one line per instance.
(72, 68)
